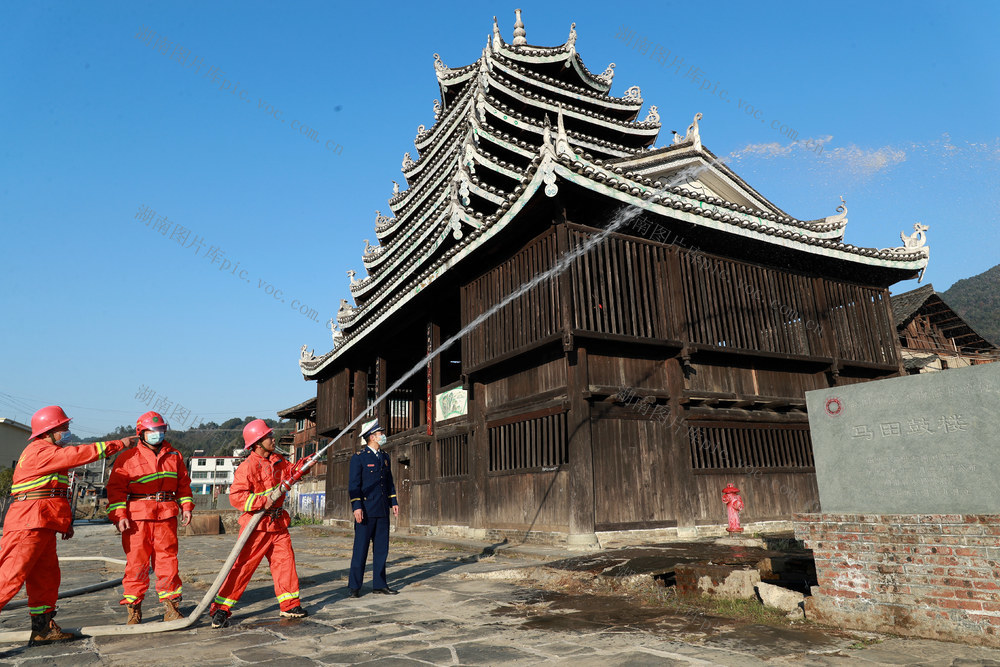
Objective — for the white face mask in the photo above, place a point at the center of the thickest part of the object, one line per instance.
(381, 440)
(152, 437)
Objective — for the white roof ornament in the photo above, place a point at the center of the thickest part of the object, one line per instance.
(380, 222)
(608, 75)
(306, 356)
(408, 162)
(437, 109)
(421, 134)
(497, 38)
(438, 65)
(547, 146)
(469, 154)
(562, 140)
(345, 312)
(455, 220)
(571, 43)
(549, 178)
(350, 274)
(519, 33)
(917, 239)
(654, 115)
(692, 133)
(633, 94)
(841, 217)
(395, 188)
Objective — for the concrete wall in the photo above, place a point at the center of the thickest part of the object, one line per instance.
(925, 575)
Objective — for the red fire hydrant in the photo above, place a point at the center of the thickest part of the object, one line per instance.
(734, 505)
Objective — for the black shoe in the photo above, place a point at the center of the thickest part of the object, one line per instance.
(220, 619)
(385, 591)
(298, 612)
(354, 593)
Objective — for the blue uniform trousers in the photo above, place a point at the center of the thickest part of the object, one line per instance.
(374, 530)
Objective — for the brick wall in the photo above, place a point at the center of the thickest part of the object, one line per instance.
(926, 575)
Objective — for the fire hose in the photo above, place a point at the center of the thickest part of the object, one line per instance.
(138, 629)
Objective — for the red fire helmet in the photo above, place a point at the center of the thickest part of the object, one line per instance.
(149, 421)
(255, 431)
(46, 420)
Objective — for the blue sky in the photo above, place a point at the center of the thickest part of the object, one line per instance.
(97, 125)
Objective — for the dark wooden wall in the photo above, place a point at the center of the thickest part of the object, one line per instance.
(720, 351)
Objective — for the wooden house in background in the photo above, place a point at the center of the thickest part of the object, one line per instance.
(626, 391)
(932, 336)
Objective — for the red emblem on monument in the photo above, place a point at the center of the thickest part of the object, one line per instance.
(834, 407)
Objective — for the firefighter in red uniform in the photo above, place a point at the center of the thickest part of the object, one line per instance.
(256, 479)
(38, 510)
(144, 489)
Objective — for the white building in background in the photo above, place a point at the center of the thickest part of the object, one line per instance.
(209, 472)
(13, 440)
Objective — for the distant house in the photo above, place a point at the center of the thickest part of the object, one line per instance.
(209, 473)
(13, 440)
(933, 337)
(309, 495)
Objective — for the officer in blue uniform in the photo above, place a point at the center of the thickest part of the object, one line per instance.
(372, 495)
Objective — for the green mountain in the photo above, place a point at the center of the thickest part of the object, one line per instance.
(214, 439)
(977, 301)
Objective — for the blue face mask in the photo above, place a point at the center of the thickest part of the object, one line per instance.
(381, 440)
(152, 437)
(65, 437)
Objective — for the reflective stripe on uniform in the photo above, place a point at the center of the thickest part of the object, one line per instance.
(226, 601)
(155, 476)
(37, 483)
(288, 596)
(116, 506)
(35, 611)
(248, 505)
(170, 594)
(186, 499)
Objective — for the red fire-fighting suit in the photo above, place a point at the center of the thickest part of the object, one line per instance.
(253, 481)
(145, 486)
(38, 510)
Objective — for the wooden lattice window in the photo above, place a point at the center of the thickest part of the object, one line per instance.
(453, 455)
(538, 442)
(742, 446)
(420, 455)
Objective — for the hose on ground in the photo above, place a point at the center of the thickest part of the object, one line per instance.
(165, 626)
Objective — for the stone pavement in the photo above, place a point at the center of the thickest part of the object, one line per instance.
(457, 606)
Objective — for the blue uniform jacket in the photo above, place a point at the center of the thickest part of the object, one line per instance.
(370, 484)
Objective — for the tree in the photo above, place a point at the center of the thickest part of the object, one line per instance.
(6, 477)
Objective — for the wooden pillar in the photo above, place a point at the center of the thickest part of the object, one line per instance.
(824, 330)
(381, 385)
(359, 403)
(565, 282)
(581, 453)
(434, 463)
(677, 328)
(479, 460)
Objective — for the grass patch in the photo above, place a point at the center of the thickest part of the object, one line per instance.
(749, 611)
(652, 593)
(298, 520)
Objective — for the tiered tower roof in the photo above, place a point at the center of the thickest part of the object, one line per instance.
(523, 118)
